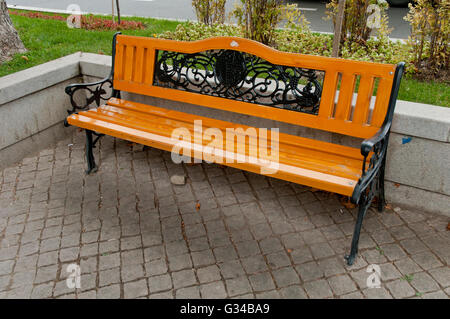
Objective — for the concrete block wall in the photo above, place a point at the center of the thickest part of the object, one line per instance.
(418, 164)
(32, 107)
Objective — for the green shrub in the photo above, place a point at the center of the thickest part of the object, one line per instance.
(193, 31)
(430, 37)
(292, 40)
(360, 18)
(210, 11)
(259, 19)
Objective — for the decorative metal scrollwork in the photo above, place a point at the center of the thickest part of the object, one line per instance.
(97, 92)
(230, 68)
(240, 76)
(375, 161)
(372, 172)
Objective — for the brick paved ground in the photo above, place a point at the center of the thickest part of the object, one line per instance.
(134, 234)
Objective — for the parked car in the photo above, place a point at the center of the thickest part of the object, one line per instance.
(398, 3)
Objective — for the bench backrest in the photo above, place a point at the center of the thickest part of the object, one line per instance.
(247, 77)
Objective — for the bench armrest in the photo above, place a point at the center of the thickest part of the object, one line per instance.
(97, 92)
(368, 144)
(376, 147)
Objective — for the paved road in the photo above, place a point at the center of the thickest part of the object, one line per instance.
(182, 9)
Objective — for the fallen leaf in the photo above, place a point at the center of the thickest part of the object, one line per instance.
(345, 201)
(349, 205)
(25, 58)
(448, 226)
(396, 184)
(289, 251)
(388, 206)
(197, 206)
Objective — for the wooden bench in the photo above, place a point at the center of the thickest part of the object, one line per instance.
(246, 77)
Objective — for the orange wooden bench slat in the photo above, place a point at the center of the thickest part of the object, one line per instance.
(381, 102)
(361, 111)
(139, 66)
(330, 84)
(129, 65)
(344, 103)
(119, 61)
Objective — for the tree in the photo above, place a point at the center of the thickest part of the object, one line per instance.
(10, 42)
(209, 12)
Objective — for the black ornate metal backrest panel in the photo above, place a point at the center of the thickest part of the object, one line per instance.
(240, 76)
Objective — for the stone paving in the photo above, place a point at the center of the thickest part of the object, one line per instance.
(225, 234)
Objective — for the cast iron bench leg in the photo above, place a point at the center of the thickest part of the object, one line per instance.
(354, 249)
(92, 167)
(376, 187)
(381, 198)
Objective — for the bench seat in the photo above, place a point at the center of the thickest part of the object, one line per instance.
(319, 164)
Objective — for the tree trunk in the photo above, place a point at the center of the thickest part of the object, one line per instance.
(118, 12)
(338, 29)
(10, 42)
